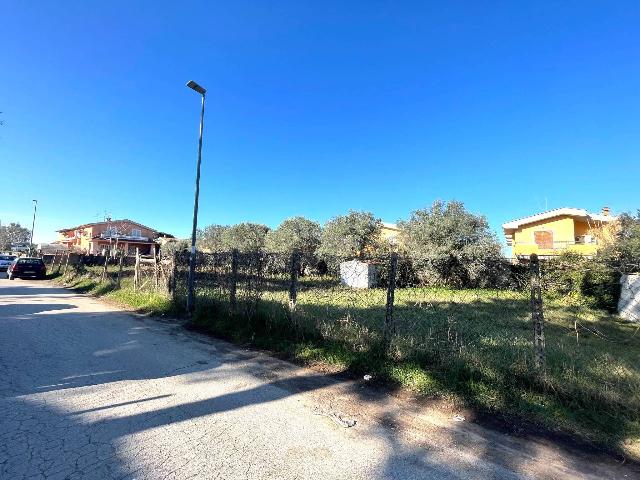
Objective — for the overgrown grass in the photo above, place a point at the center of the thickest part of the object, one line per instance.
(470, 347)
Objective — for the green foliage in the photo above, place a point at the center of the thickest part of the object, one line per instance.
(13, 233)
(353, 235)
(297, 233)
(246, 237)
(172, 246)
(625, 248)
(450, 246)
(209, 239)
(581, 280)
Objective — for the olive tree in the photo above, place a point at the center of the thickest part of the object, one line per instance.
(353, 235)
(246, 237)
(293, 234)
(210, 238)
(296, 233)
(450, 246)
(622, 247)
(13, 233)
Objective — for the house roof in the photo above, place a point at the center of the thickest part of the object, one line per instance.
(390, 226)
(125, 220)
(558, 212)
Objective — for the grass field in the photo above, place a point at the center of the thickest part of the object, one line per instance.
(469, 347)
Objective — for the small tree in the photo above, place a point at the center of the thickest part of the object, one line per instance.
(450, 246)
(175, 245)
(210, 238)
(13, 233)
(622, 246)
(294, 234)
(246, 237)
(297, 233)
(353, 235)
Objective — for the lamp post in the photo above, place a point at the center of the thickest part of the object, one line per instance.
(33, 224)
(192, 257)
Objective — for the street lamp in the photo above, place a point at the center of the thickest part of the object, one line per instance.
(33, 224)
(192, 257)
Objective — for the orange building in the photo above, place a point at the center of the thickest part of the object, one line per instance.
(98, 237)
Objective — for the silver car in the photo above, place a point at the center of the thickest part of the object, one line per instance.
(5, 261)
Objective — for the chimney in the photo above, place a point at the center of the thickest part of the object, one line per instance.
(605, 211)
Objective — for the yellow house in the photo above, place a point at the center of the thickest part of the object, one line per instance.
(389, 232)
(556, 231)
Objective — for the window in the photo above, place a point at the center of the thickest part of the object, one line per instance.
(543, 239)
(136, 232)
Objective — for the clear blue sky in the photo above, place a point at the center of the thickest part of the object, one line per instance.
(315, 108)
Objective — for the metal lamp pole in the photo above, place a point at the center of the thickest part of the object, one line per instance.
(33, 224)
(192, 257)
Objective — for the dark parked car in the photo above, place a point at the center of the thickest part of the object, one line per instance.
(25, 267)
(5, 261)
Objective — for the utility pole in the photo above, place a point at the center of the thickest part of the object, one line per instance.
(33, 224)
(192, 257)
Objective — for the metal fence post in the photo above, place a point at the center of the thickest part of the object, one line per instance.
(389, 325)
(233, 301)
(537, 315)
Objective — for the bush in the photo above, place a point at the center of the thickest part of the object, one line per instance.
(586, 281)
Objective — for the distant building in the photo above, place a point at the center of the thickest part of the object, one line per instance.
(99, 237)
(390, 232)
(556, 231)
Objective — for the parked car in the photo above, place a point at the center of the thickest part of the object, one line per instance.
(27, 267)
(5, 261)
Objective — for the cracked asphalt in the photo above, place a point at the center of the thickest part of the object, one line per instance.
(90, 391)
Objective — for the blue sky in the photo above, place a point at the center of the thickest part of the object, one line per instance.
(315, 108)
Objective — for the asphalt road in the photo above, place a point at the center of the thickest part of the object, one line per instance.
(90, 391)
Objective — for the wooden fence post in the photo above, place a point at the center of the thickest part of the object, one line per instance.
(293, 284)
(233, 301)
(106, 262)
(66, 264)
(537, 315)
(156, 270)
(120, 262)
(171, 284)
(389, 325)
(59, 263)
(136, 270)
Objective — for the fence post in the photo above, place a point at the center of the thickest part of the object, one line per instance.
(234, 281)
(121, 260)
(136, 270)
(59, 263)
(172, 280)
(104, 269)
(537, 315)
(293, 284)
(66, 264)
(389, 325)
(155, 268)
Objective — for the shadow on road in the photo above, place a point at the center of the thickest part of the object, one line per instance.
(112, 361)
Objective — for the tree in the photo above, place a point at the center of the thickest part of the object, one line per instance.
(13, 233)
(175, 245)
(450, 246)
(210, 238)
(622, 246)
(296, 233)
(246, 237)
(353, 235)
